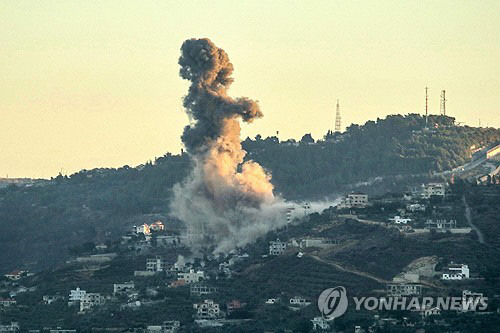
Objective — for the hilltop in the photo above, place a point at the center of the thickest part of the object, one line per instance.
(41, 222)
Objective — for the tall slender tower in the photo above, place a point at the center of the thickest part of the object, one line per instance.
(443, 103)
(337, 118)
(426, 105)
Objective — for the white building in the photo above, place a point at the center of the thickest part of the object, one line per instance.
(198, 290)
(76, 295)
(142, 229)
(438, 189)
(273, 301)
(90, 300)
(456, 272)
(207, 309)
(157, 264)
(354, 200)
(49, 299)
(320, 324)
(277, 247)
(191, 276)
(415, 207)
(123, 287)
(171, 326)
(13, 327)
(299, 301)
(403, 289)
(399, 220)
(470, 300)
(440, 225)
(157, 226)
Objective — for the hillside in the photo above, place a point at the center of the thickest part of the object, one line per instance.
(39, 223)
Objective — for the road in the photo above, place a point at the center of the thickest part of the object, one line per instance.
(469, 221)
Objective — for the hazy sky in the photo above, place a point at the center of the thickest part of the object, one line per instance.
(87, 84)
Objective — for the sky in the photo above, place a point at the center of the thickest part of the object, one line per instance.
(86, 84)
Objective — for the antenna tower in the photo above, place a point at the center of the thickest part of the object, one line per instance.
(337, 118)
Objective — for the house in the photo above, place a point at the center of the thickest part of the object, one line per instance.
(403, 289)
(5, 302)
(415, 207)
(273, 300)
(234, 305)
(317, 242)
(320, 324)
(353, 200)
(429, 311)
(471, 300)
(399, 220)
(437, 189)
(157, 264)
(123, 287)
(455, 272)
(440, 225)
(49, 299)
(198, 290)
(76, 296)
(90, 300)
(157, 226)
(177, 283)
(14, 275)
(207, 309)
(13, 327)
(142, 229)
(299, 301)
(101, 247)
(277, 247)
(191, 276)
(170, 326)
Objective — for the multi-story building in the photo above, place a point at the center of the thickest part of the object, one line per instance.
(198, 290)
(440, 225)
(157, 226)
(76, 296)
(14, 275)
(123, 287)
(192, 276)
(12, 328)
(4, 302)
(142, 229)
(471, 301)
(455, 272)
(170, 326)
(354, 200)
(157, 264)
(277, 247)
(403, 289)
(437, 189)
(207, 309)
(49, 299)
(299, 301)
(90, 300)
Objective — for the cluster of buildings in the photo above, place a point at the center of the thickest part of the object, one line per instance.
(85, 300)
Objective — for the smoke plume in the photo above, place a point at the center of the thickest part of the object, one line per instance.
(225, 202)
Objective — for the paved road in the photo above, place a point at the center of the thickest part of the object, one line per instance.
(469, 221)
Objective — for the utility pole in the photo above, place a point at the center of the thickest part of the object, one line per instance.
(337, 118)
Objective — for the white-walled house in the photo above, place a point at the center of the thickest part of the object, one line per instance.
(76, 295)
(123, 287)
(90, 300)
(456, 272)
(299, 301)
(399, 220)
(191, 277)
(277, 247)
(207, 309)
(142, 229)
